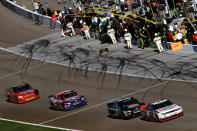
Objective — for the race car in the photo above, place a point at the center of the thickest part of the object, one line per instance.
(162, 110)
(125, 108)
(22, 93)
(67, 100)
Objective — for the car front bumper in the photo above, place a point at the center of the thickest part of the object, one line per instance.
(29, 98)
(172, 117)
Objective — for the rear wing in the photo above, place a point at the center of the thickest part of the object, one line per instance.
(51, 96)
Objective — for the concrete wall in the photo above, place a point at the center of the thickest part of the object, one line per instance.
(40, 19)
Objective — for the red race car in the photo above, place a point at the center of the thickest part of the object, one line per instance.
(22, 93)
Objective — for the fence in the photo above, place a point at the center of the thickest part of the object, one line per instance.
(40, 19)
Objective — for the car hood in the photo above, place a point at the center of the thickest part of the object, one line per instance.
(168, 108)
(27, 92)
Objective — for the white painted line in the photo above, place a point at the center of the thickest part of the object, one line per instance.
(73, 113)
(32, 124)
(11, 74)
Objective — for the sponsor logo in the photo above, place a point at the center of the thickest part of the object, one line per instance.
(30, 98)
(24, 92)
(177, 46)
(166, 108)
(133, 105)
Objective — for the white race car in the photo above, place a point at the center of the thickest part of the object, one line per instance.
(162, 110)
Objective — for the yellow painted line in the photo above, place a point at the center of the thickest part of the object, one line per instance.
(190, 21)
(126, 13)
(112, 14)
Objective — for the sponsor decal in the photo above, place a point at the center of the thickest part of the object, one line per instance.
(177, 46)
(133, 105)
(30, 98)
(24, 92)
(166, 108)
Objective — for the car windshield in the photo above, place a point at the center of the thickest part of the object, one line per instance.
(67, 95)
(161, 105)
(21, 88)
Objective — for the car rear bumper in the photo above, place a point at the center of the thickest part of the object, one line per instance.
(172, 117)
(83, 103)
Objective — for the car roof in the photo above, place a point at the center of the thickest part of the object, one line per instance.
(158, 101)
(125, 99)
(21, 85)
(64, 92)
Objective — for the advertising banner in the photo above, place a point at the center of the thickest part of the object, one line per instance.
(177, 46)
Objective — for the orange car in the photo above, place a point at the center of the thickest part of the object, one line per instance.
(22, 93)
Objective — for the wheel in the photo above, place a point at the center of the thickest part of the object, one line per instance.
(51, 105)
(9, 100)
(122, 116)
(16, 100)
(157, 118)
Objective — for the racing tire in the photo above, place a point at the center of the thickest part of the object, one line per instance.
(8, 98)
(16, 100)
(146, 118)
(122, 116)
(113, 115)
(157, 118)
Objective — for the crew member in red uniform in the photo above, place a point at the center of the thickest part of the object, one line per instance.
(195, 37)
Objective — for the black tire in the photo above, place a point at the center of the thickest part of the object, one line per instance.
(51, 105)
(157, 118)
(16, 100)
(122, 116)
(8, 98)
(112, 115)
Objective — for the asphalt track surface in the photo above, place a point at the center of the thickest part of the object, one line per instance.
(99, 89)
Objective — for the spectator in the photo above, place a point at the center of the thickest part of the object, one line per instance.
(36, 6)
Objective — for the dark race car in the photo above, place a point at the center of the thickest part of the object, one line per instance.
(67, 100)
(22, 93)
(125, 108)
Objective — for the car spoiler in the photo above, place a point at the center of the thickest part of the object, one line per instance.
(51, 96)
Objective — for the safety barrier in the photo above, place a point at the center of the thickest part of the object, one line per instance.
(40, 19)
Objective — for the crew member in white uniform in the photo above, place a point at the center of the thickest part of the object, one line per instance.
(127, 37)
(111, 34)
(86, 30)
(70, 26)
(157, 41)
